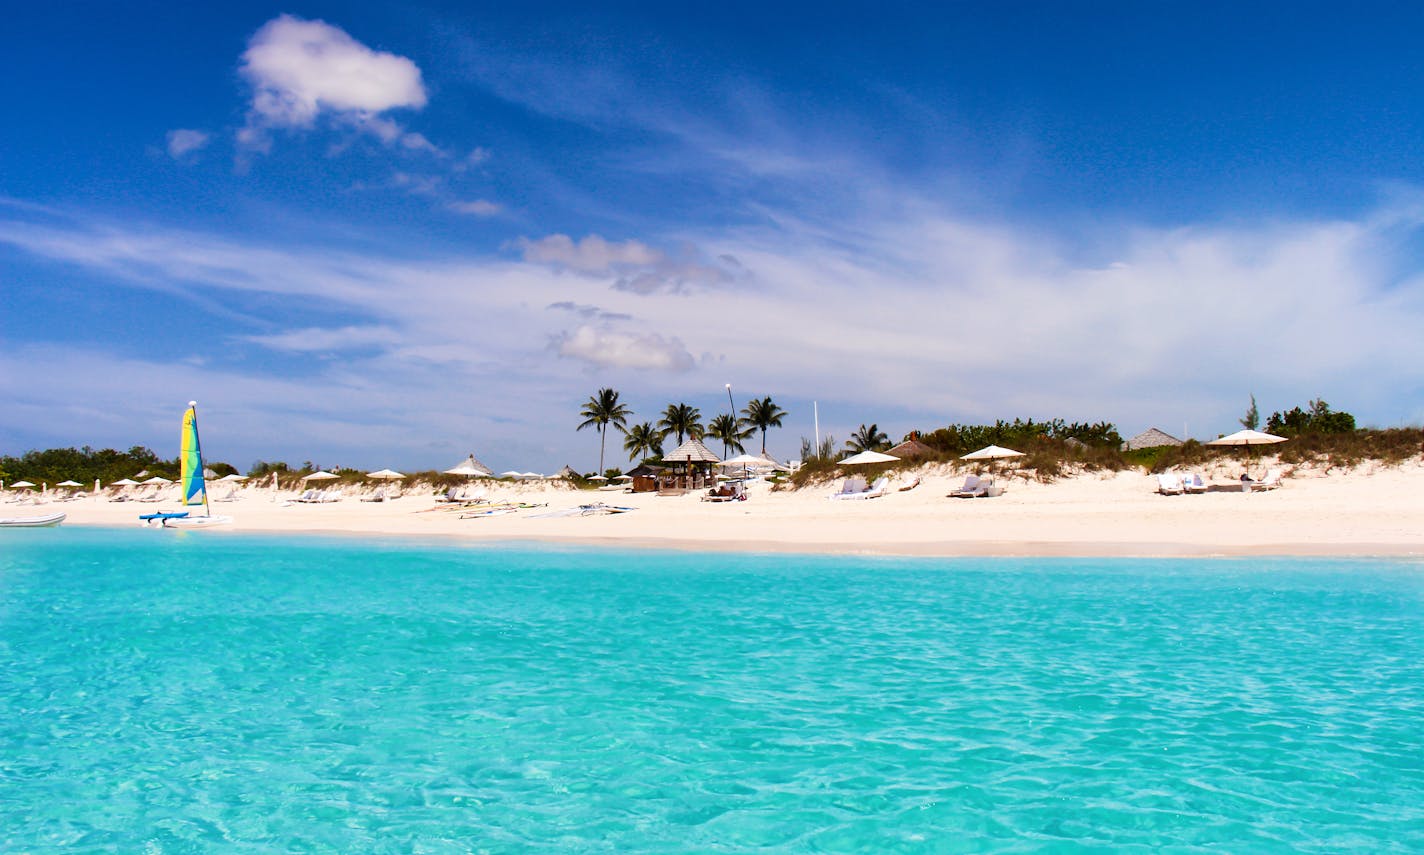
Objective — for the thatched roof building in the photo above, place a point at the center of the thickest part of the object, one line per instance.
(911, 449)
(692, 451)
(1150, 438)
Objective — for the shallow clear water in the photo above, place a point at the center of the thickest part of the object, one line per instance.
(189, 692)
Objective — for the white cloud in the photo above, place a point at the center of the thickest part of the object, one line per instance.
(608, 348)
(639, 268)
(300, 70)
(592, 255)
(476, 208)
(183, 141)
(932, 317)
(320, 339)
(418, 142)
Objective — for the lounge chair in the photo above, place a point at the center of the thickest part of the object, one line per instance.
(1170, 484)
(874, 491)
(732, 491)
(1193, 483)
(1270, 482)
(378, 496)
(852, 486)
(309, 496)
(910, 484)
(973, 488)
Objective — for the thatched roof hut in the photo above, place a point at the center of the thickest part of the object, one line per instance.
(911, 449)
(692, 451)
(1150, 438)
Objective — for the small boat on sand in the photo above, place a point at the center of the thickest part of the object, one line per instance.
(44, 521)
(194, 487)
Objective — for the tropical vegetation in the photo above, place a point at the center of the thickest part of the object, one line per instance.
(730, 431)
(601, 411)
(642, 441)
(682, 421)
(762, 414)
(867, 438)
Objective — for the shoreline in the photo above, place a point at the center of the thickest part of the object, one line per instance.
(1367, 512)
(957, 549)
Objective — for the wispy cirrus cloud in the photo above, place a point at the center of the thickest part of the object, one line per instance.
(610, 348)
(933, 317)
(477, 208)
(186, 141)
(636, 266)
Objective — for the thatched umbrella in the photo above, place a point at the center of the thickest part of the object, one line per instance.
(471, 468)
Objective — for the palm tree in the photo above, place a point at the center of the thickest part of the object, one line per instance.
(642, 440)
(867, 438)
(601, 411)
(726, 428)
(762, 415)
(682, 419)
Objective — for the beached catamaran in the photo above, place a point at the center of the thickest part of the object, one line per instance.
(194, 488)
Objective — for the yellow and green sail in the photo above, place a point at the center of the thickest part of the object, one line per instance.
(195, 490)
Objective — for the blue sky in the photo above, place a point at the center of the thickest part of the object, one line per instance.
(390, 234)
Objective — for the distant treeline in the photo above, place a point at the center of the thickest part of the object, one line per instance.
(85, 464)
(1317, 434)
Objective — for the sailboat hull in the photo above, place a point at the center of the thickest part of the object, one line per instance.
(195, 522)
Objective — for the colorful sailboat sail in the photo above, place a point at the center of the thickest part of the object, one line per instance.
(194, 491)
(190, 454)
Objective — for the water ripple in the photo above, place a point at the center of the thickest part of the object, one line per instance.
(198, 694)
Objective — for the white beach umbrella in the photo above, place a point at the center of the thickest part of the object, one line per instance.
(866, 457)
(157, 479)
(532, 476)
(68, 483)
(753, 460)
(992, 452)
(1247, 438)
(124, 482)
(597, 478)
(624, 478)
(510, 474)
(24, 484)
(385, 475)
(233, 477)
(320, 476)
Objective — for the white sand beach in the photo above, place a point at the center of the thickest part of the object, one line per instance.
(1370, 510)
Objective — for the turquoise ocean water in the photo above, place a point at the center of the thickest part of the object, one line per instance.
(167, 692)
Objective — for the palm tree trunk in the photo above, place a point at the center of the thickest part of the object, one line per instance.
(602, 441)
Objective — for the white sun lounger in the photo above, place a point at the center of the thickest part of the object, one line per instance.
(852, 486)
(1193, 483)
(1170, 484)
(973, 488)
(1270, 482)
